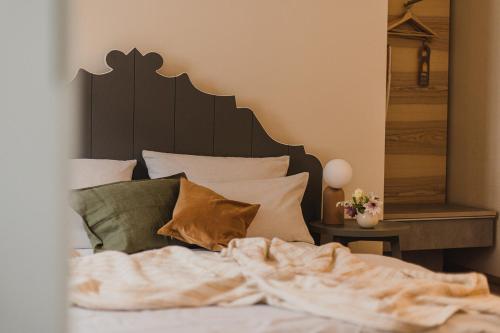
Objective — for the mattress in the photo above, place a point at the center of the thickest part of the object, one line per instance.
(256, 318)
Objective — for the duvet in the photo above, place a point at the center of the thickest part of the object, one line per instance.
(326, 281)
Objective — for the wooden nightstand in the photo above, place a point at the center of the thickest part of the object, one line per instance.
(350, 231)
(433, 230)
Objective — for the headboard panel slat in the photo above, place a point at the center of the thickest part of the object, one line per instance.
(263, 145)
(233, 128)
(154, 113)
(113, 110)
(83, 116)
(194, 119)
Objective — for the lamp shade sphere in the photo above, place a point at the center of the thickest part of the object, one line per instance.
(337, 173)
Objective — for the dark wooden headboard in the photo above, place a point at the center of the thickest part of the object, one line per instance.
(132, 108)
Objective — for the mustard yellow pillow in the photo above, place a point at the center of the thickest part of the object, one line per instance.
(207, 219)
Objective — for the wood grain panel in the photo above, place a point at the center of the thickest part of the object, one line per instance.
(417, 112)
(409, 79)
(428, 95)
(413, 166)
(419, 138)
(416, 127)
(194, 119)
(415, 189)
(233, 128)
(405, 90)
(405, 59)
(113, 109)
(437, 45)
(425, 8)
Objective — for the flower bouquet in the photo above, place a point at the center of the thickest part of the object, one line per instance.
(366, 208)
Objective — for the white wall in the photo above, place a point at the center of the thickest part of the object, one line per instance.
(312, 71)
(474, 127)
(32, 248)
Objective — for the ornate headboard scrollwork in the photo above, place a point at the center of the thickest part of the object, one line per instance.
(132, 108)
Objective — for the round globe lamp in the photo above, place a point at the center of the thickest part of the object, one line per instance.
(336, 174)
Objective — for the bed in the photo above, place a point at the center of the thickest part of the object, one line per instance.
(255, 318)
(133, 108)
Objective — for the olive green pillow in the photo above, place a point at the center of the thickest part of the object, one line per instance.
(125, 216)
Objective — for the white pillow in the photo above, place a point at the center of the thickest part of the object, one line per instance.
(214, 169)
(280, 214)
(92, 172)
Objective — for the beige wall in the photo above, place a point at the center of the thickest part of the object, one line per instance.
(312, 71)
(474, 143)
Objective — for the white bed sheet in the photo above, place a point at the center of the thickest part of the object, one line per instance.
(248, 319)
(256, 318)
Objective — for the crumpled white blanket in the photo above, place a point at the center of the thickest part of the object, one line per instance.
(324, 280)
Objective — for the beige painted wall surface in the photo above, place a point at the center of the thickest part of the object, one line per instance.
(313, 72)
(474, 149)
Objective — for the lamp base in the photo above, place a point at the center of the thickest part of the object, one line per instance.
(331, 213)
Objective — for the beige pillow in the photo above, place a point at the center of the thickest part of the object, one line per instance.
(280, 214)
(94, 172)
(214, 169)
(205, 218)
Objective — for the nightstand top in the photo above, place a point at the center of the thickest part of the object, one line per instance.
(350, 228)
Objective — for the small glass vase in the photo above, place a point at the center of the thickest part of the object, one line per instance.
(367, 220)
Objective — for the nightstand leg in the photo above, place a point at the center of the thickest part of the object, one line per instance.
(395, 248)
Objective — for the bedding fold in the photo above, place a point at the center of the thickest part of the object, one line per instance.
(322, 280)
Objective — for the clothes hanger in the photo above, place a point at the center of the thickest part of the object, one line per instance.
(400, 28)
(419, 31)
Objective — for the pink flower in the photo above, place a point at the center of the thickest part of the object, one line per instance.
(373, 206)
